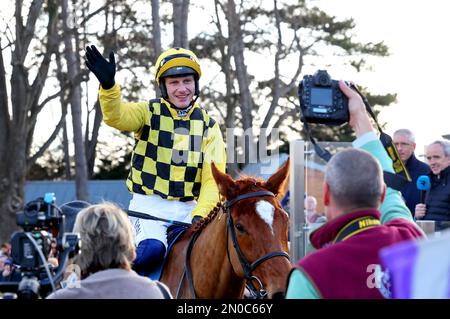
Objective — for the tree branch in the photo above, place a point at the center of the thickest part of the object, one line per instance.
(92, 14)
(9, 36)
(4, 113)
(68, 84)
(283, 116)
(302, 51)
(25, 34)
(91, 143)
(32, 159)
(222, 115)
(276, 84)
(50, 48)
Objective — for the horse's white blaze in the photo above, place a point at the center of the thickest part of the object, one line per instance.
(266, 210)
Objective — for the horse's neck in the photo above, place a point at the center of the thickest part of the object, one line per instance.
(211, 252)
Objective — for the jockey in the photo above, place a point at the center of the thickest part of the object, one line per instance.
(176, 141)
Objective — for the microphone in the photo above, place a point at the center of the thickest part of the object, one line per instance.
(423, 184)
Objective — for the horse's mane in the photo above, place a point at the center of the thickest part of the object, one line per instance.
(245, 184)
(202, 223)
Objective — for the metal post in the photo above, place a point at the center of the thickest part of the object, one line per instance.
(296, 199)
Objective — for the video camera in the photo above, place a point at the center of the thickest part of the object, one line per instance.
(42, 222)
(321, 100)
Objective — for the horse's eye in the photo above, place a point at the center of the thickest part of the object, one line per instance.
(239, 227)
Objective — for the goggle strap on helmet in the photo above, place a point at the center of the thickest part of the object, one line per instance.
(176, 63)
(170, 57)
(181, 62)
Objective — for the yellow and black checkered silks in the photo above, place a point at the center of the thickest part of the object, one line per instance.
(171, 158)
(167, 157)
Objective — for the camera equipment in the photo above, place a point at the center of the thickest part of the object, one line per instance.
(37, 217)
(41, 221)
(321, 100)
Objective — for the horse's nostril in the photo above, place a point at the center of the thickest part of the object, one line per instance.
(278, 295)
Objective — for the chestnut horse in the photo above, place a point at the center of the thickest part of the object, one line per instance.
(241, 243)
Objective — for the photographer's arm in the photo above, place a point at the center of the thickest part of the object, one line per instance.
(393, 206)
(359, 120)
(300, 287)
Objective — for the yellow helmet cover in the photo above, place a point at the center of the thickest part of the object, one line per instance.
(176, 59)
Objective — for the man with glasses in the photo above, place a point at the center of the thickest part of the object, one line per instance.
(404, 141)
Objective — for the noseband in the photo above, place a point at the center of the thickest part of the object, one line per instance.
(246, 265)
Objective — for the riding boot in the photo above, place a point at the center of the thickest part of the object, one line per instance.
(149, 255)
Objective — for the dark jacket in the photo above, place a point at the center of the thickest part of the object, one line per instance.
(438, 197)
(410, 192)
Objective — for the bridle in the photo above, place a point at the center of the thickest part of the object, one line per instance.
(246, 265)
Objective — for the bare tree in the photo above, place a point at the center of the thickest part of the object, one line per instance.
(91, 138)
(63, 98)
(67, 172)
(73, 69)
(289, 31)
(236, 47)
(18, 126)
(156, 34)
(180, 19)
(90, 133)
(225, 65)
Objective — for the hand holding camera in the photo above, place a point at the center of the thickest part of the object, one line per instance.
(321, 100)
(331, 102)
(359, 119)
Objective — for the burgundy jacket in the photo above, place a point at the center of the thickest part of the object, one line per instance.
(348, 246)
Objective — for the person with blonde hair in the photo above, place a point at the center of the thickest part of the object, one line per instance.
(106, 255)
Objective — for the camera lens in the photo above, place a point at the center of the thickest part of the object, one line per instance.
(321, 78)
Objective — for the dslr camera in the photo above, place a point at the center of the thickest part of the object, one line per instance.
(321, 100)
(42, 221)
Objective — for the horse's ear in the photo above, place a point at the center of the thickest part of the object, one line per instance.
(226, 184)
(277, 182)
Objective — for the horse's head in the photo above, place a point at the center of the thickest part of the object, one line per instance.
(257, 229)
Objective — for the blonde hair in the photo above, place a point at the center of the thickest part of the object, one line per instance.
(106, 238)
